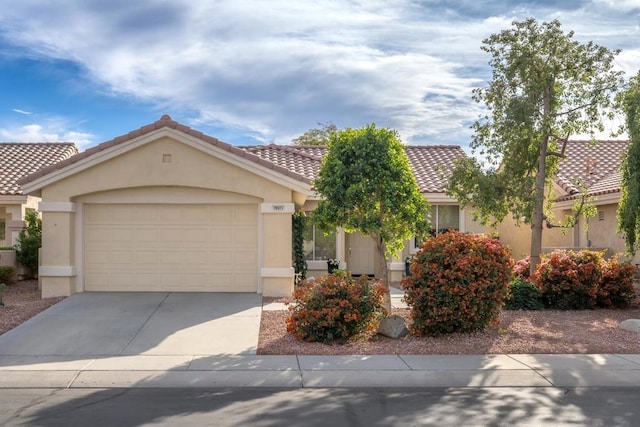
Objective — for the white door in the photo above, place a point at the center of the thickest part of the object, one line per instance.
(162, 247)
(361, 254)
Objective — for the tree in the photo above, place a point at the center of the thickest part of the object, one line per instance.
(318, 136)
(629, 206)
(29, 241)
(545, 87)
(367, 185)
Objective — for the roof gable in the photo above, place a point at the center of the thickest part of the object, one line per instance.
(20, 159)
(41, 177)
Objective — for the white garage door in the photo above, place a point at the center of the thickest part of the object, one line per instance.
(153, 247)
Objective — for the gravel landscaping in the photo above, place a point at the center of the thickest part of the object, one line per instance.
(547, 331)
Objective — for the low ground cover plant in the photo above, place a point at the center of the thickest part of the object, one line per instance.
(523, 295)
(458, 283)
(335, 308)
(7, 274)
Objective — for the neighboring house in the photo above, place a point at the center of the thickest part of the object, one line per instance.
(167, 208)
(595, 167)
(18, 160)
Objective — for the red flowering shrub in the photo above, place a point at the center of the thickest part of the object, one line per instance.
(616, 287)
(335, 308)
(458, 283)
(569, 280)
(522, 268)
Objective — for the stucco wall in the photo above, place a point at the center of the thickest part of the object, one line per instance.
(162, 171)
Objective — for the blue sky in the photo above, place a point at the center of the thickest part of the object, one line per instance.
(254, 72)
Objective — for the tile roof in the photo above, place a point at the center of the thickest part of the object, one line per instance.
(298, 162)
(19, 159)
(165, 122)
(596, 166)
(426, 161)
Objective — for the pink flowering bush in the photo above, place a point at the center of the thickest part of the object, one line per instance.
(569, 280)
(458, 283)
(335, 308)
(616, 286)
(522, 268)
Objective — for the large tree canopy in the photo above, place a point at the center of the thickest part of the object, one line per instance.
(545, 88)
(316, 136)
(367, 185)
(629, 206)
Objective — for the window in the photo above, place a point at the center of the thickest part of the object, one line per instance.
(317, 245)
(442, 218)
(3, 227)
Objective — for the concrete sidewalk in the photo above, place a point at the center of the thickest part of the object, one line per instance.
(215, 371)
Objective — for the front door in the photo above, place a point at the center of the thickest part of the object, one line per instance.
(361, 254)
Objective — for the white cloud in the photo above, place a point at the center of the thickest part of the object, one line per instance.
(48, 133)
(274, 69)
(19, 111)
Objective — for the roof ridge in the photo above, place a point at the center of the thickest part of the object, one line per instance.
(164, 121)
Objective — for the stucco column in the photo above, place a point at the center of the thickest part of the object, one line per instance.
(57, 270)
(276, 270)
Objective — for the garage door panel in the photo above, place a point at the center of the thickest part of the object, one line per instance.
(200, 248)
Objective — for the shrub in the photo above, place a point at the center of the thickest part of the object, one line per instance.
(523, 295)
(7, 273)
(522, 268)
(568, 280)
(29, 241)
(458, 283)
(335, 308)
(616, 287)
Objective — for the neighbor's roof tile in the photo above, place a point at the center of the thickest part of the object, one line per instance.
(20, 159)
(430, 163)
(594, 166)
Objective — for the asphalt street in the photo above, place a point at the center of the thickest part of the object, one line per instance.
(498, 406)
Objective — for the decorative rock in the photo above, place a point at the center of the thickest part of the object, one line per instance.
(393, 327)
(632, 325)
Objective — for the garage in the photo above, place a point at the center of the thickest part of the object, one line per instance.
(171, 247)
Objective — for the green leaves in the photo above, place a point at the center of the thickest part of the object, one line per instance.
(367, 185)
(545, 87)
(629, 206)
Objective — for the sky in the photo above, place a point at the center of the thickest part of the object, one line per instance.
(256, 72)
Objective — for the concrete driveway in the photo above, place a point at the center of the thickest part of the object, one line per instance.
(137, 323)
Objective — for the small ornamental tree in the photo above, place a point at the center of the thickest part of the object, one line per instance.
(545, 88)
(367, 186)
(29, 241)
(458, 283)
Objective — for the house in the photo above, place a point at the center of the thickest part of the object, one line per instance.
(17, 160)
(168, 208)
(587, 165)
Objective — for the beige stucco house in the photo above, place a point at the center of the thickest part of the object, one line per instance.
(595, 167)
(18, 160)
(167, 208)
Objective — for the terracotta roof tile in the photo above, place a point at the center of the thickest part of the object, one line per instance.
(426, 161)
(165, 121)
(595, 166)
(18, 160)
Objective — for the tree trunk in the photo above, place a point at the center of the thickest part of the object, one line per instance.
(384, 269)
(538, 209)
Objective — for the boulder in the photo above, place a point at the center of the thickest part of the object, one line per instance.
(632, 325)
(393, 327)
